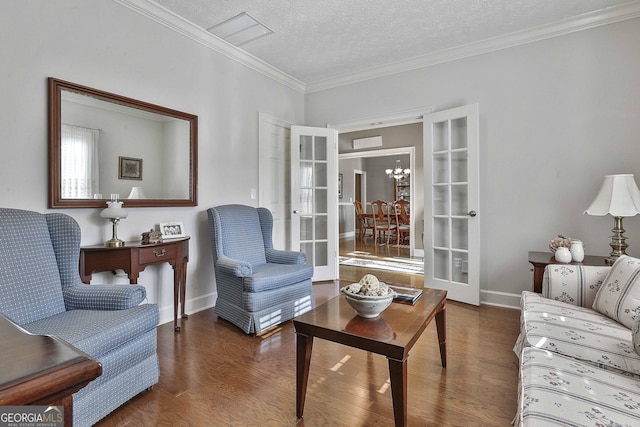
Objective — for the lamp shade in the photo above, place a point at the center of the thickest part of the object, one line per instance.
(619, 196)
(114, 210)
(137, 193)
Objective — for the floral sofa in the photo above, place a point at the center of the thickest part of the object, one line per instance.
(579, 347)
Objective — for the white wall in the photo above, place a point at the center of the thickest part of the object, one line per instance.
(104, 45)
(555, 116)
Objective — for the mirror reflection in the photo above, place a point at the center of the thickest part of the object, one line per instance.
(108, 148)
(107, 144)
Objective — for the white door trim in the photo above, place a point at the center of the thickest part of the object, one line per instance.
(267, 186)
(381, 121)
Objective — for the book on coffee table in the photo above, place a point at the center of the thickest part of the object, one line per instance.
(405, 294)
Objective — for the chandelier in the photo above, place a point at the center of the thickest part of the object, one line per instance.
(397, 172)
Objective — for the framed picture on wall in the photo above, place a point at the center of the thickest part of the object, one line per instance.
(129, 168)
(340, 186)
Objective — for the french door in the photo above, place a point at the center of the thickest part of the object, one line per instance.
(452, 229)
(314, 198)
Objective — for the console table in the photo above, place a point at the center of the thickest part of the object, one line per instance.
(41, 370)
(134, 257)
(540, 260)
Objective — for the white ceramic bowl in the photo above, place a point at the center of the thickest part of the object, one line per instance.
(368, 306)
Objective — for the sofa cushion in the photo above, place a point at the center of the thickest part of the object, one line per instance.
(272, 276)
(577, 332)
(619, 295)
(98, 332)
(559, 391)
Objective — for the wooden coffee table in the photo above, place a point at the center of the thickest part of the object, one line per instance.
(392, 334)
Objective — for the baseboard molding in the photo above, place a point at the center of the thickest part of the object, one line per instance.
(494, 298)
(500, 299)
(346, 235)
(194, 305)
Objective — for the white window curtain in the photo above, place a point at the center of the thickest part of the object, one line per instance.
(79, 162)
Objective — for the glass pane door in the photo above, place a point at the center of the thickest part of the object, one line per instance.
(451, 243)
(314, 198)
(450, 207)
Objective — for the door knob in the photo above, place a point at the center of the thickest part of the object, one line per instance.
(297, 211)
(472, 213)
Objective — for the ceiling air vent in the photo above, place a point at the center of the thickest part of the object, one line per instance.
(240, 29)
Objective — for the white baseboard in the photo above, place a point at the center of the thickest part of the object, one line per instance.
(194, 305)
(494, 298)
(500, 299)
(347, 234)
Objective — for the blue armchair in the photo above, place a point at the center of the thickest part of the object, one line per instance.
(258, 286)
(40, 290)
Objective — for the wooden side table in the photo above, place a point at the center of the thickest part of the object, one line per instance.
(540, 260)
(41, 370)
(134, 257)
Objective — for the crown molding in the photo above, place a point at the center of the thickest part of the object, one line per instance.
(180, 25)
(582, 22)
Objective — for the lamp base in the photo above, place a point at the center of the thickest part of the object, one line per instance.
(114, 243)
(618, 244)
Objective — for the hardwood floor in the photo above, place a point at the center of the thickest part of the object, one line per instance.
(367, 248)
(212, 374)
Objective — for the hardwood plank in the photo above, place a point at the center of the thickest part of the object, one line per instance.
(214, 374)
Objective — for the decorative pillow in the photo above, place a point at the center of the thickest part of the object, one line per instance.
(635, 336)
(619, 295)
(573, 284)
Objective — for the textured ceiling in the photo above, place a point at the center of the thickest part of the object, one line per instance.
(316, 40)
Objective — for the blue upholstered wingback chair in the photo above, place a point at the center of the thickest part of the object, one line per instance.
(40, 290)
(258, 286)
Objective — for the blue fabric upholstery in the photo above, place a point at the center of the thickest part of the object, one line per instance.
(258, 286)
(40, 289)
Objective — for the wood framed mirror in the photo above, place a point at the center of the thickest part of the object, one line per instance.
(101, 144)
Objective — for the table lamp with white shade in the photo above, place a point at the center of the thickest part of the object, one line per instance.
(137, 193)
(114, 212)
(619, 197)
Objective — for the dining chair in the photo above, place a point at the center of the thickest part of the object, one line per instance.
(365, 220)
(401, 208)
(382, 219)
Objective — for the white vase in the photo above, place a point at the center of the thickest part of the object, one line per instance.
(577, 251)
(563, 255)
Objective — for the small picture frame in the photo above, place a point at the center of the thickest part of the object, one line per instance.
(129, 168)
(340, 186)
(172, 230)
